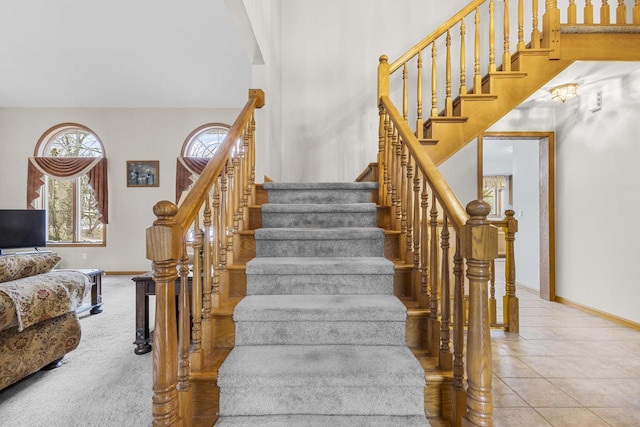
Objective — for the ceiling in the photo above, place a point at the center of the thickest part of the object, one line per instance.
(121, 53)
(151, 53)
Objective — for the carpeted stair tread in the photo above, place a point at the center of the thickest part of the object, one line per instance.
(329, 192)
(323, 421)
(344, 233)
(320, 366)
(319, 266)
(320, 308)
(319, 207)
(320, 186)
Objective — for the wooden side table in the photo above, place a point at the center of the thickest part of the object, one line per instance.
(95, 275)
(145, 286)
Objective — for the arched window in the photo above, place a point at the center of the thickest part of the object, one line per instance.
(204, 141)
(68, 178)
(196, 151)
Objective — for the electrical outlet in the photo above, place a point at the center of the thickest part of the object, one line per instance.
(84, 256)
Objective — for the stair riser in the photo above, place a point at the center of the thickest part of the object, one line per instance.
(318, 333)
(320, 196)
(383, 220)
(318, 219)
(269, 284)
(358, 400)
(320, 248)
(322, 421)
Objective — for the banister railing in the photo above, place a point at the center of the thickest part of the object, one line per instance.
(218, 201)
(423, 205)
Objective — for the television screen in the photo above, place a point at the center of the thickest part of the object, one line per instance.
(22, 228)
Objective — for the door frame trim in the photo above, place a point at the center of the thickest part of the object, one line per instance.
(547, 160)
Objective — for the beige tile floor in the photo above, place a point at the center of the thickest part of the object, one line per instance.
(565, 368)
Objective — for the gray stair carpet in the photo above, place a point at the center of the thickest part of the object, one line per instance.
(320, 337)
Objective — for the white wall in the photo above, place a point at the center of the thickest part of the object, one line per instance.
(329, 57)
(127, 134)
(597, 236)
(526, 178)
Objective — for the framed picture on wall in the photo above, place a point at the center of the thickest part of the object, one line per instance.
(143, 173)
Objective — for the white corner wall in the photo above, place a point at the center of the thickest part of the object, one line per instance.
(329, 53)
(127, 134)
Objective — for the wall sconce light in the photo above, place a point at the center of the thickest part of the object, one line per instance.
(564, 93)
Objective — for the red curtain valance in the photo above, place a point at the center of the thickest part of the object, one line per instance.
(186, 167)
(70, 168)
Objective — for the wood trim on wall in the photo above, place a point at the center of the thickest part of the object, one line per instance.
(546, 202)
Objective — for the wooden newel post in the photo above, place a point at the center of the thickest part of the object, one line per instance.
(163, 248)
(479, 247)
(510, 303)
(551, 29)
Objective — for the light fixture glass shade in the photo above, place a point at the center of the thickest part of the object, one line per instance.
(564, 93)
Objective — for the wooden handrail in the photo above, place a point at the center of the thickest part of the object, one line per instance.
(196, 197)
(447, 198)
(434, 35)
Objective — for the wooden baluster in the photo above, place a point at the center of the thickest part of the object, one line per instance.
(416, 237)
(408, 257)
(636, 13)
(246, 192)
(463, 58)
(477, 78)
(521, 44)
(405, 93)
(510, 303)
(207, 279)
(479, 246)
(551, 29)
(605, 13)
(459, 396)
(237, 191)
(419, 121)
(230, 212)
(588, 12)
(165, 352)
(434, 83)
(572, 13)
(184, 364)
(397, 188)
(390, 170)
(222, 229)
(252, 160)
(216, 248)
(388, 164)
(448, 101)
(196, 300)
(434, 323)
(445, 357)
(403, 202)
(493, 316)
(535, 31)
(382, 165)
(492, 38)
(621, 13)
(424, 260)
(506, 56)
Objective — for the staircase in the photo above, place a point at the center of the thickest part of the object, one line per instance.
(320, 337)
(319, 293)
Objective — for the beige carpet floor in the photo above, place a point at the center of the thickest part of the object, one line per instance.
(101, 383)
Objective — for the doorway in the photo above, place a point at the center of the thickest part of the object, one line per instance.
(534, 159)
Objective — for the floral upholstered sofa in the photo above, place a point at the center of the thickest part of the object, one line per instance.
(38, 320)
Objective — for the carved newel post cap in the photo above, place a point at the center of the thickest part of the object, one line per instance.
(384, 58)
(164, 210)
(510, 212)
(478, 209)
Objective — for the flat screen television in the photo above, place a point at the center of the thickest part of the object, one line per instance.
(22, 228)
